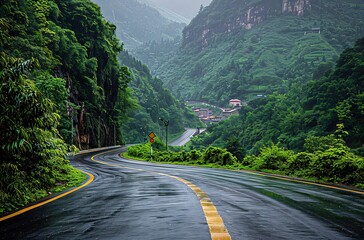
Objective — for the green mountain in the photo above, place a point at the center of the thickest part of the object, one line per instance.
(167, 13)
(153, 101)
(137, 23)
(310, 115)
(244, 48)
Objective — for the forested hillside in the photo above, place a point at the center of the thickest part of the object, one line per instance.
(153, 102)
(60, 82)
(79, 70)
(244, 48)
(303, 133)
(315, 112)
(138, 23)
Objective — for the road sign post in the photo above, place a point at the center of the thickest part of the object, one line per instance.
(151, 152)
(151, 140)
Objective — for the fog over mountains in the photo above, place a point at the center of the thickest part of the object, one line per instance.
(185, 8)
(138, 22)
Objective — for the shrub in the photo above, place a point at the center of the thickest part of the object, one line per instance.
(194, 155)
(322, 167)
(300, 161)
(323, 143)
(228, 159)
(349, 169)
(273, 157)
(140, 151)
(218, 156)
(248, 161)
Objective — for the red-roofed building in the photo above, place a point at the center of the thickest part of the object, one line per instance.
(235, 103)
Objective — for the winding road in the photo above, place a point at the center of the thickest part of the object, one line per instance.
(141, 200)
(185, 138)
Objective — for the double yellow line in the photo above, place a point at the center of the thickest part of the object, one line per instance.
(216, 225)
(217, 228)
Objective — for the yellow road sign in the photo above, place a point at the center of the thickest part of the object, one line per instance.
(152, 135)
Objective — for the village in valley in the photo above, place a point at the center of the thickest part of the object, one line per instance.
(208, 113)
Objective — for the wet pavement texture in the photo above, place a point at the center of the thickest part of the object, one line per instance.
(131, 201)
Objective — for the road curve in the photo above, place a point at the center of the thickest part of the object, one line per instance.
(185, 138)
(137, 200)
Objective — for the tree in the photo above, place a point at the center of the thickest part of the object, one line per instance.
(201, 8)
(234, 146)
(31, 154)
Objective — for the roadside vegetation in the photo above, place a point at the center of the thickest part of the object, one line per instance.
(325, 159)
(33, 161)
(313, 131)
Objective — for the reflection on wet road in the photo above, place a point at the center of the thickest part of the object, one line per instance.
(131, 201)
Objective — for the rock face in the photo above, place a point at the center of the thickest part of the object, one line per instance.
(297, 7)
(246, 15)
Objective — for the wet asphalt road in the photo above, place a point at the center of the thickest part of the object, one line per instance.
(125, 203)
(185, 138)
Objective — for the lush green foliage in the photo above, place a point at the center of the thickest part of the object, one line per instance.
(77, 88)
(221, 59)
(154, 53)
(32, 157)
(332, 104)
(211, 156)
(332, 164)
(154, 102)
(79, 70)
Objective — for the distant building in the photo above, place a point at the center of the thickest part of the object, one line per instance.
(203, 112)
(212, 119)
(235, 103)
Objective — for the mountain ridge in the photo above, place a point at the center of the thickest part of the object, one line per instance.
(167, 13)
(274, 44)
(137, 23)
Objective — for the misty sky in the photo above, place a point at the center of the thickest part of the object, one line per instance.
(185, 8)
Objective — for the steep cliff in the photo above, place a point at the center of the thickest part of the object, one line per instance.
(237, 15)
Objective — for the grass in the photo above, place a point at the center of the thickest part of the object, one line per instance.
(74, 178)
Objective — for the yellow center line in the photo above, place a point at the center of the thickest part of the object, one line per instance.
(90, 180)
(217, 228)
